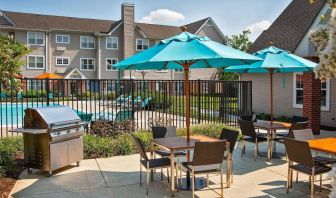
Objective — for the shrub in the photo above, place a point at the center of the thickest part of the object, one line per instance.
(9, 147)
(145, 138)
(107, 128)
(96, 147)
(123, 144)
(211, 130)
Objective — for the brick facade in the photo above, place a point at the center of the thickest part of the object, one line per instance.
(312, 101)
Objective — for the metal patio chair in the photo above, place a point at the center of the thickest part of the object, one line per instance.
(301, 160)
(230, 136)
(207, 159)
(150, 164)
(250, 135)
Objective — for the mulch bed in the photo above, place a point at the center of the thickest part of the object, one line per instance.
(7, 183)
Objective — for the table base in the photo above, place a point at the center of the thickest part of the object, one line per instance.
(200, 183)
(274, 154)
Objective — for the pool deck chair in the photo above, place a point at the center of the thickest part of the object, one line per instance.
(124, 115)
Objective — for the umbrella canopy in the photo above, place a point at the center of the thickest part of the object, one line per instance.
(275, 60)
(49, 76)
(187, 51)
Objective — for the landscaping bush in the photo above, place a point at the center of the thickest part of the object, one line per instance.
(123, 144)
(145, 138)
(211, 130)
(96, 147)
(9, 148)
(107, 128)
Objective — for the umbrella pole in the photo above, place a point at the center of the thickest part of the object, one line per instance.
(271, 92)
(186, 77)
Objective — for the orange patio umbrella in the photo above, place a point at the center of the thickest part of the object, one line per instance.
(49, 76)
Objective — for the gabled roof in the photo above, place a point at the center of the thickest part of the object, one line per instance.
(52, 22)
(290, 27)
(158, 32)
(48, 22)
(196, 26)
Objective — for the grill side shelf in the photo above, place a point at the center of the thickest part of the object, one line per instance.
(30, 131)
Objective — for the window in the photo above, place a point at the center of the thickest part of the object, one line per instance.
(87, 42)
(87, 64)
(110, 62)
(111, 42)
(178, 70)
(35, 85)
(35, 38)
(162, 70)
(35, 62)
(65, 39)
(142, 44)
(62, 60)
(298, 92)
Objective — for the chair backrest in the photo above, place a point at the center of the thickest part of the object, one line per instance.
(303, 134)
(207, 153)
(140, 148)
(296, 126)
(159, 132)
(247, 128)
(299, 152)
(124, 115)
(230, 136)
(171, 131)
(251, 117)
(299, 119)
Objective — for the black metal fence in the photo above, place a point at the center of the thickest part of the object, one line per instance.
(139, 100)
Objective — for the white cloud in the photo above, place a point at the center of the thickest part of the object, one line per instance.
(163, 16)
(257, 28)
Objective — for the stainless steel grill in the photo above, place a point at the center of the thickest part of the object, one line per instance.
(53, 138)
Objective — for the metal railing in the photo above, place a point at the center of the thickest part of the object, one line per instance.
(139, 100)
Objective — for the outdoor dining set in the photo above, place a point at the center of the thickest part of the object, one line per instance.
(202, 155)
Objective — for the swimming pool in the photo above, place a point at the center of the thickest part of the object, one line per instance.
(12, 113)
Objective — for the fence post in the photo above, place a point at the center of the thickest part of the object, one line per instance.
(47, 90)
(132, 100)
(199, 100)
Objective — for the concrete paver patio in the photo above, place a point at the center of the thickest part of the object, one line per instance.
(119, 177)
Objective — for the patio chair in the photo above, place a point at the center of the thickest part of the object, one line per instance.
(230, 136)
(251, 117)
(150, 164)
(298, 152)
(305, 135)
(163, 132)
(124, 115)
(250, 135)
(207, 159)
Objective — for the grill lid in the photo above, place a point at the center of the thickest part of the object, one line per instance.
(46, 117)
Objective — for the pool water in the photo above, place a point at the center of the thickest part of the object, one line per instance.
(12, 113)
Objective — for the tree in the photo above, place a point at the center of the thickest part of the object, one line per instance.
(325, 40)
(240, 42)
(11, 52)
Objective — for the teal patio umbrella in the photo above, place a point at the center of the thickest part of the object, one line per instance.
(275, 60)
(187, 51)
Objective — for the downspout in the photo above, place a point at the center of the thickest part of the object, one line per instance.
(98, 57)
(47, 66)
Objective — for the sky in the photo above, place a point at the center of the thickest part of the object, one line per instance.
(232, 16)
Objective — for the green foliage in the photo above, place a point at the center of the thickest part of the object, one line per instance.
(145, 138)
(241, 42)
(123, 144)
(9, 147)
(11, 52)
(211, 130)
(96, 147)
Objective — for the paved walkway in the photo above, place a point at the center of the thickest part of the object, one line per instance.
(119, 177)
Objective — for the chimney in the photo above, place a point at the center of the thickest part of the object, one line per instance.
(127, 16)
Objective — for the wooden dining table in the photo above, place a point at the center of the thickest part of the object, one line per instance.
(174, 144)
(271, 128)
(325, 145)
